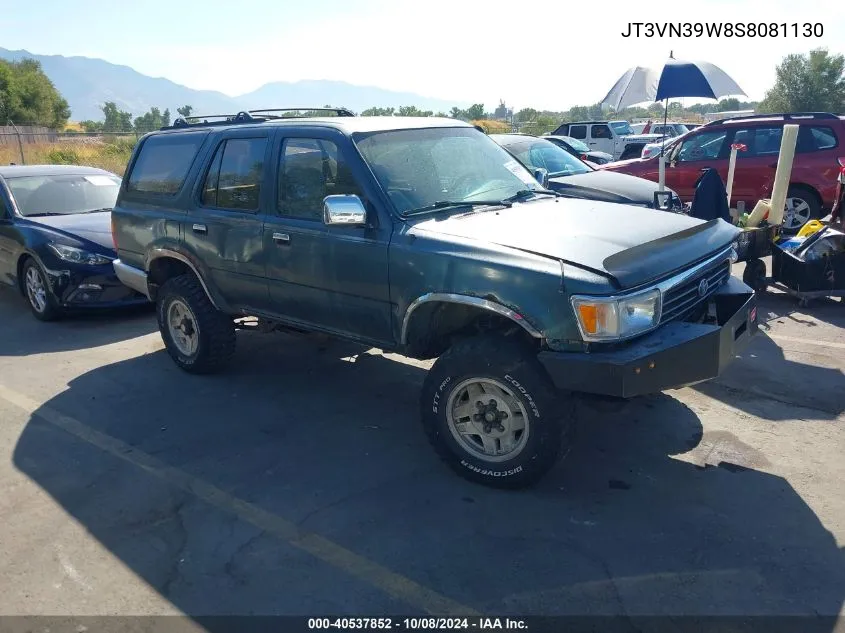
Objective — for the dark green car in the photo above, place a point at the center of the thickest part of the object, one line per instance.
(424, 237)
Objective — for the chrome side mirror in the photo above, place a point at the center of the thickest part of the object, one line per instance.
(541, 175)
(344, 210)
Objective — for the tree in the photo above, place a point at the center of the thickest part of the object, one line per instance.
(728, 105)
(525, 115)
(91, 127)
(475, 111)
(808, 83)
(414, 111)
(185, 111)
(116, 120)
(152, 120)
(27, 96)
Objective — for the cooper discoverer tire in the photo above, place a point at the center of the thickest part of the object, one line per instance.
(199, 338)
(492, 414)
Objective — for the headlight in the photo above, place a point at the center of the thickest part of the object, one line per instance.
(616, 318)
(78, 255)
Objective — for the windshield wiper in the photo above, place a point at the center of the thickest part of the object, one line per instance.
(100, 210)
(453, 204)
(524, 194)
(42, 215)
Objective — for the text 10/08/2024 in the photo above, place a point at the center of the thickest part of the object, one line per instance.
(418, 624)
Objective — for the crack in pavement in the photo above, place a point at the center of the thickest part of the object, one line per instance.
(175, 570)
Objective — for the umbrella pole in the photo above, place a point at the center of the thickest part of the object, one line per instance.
(661, 173)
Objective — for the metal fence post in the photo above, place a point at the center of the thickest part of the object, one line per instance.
(20, 142)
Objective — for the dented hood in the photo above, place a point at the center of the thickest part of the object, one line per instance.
(632, 245)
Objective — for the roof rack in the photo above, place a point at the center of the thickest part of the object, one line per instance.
(786, 117)
(250, 116)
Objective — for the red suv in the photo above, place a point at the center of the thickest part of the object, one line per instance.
(814, 170)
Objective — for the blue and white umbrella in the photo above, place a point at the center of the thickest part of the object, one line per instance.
(676, 79)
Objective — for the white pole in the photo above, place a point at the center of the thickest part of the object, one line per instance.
(783, 173)
(731, 166)
(661, 173)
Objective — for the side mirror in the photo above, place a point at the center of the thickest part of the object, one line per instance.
(541, 175)
(344, 210)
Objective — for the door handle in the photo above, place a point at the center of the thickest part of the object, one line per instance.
(281, 238)
(200, 228)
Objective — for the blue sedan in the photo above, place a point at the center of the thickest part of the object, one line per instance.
(55, 238)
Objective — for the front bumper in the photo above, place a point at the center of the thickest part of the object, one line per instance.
(79, 288)
(675, 355)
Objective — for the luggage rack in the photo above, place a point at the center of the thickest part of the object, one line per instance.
(253, 116)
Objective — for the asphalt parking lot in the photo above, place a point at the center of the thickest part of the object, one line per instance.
(300, 483)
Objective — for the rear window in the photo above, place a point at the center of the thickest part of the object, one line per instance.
(163, 163)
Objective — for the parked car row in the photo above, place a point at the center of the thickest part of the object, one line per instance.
(815, 167)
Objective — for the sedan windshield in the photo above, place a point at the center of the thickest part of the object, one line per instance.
(539, 153)
(64, 194)
(419, 168)
(578, 146)
(622, 128)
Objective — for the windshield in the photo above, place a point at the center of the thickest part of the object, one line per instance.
(622, 128)
(64, 194)
(540, 153)
(574, 143)
(418, 168)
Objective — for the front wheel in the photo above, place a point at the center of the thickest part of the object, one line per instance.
(37, 292)
(492, 414)
(199, 338)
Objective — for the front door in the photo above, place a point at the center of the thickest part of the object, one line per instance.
(331, 277)
(693, 156)
(601, 138)
(224, 227)
(756, 164)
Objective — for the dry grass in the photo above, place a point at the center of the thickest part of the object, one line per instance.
(492, 127)
(111, 154)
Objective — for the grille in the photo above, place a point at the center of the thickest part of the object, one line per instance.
(680, 300)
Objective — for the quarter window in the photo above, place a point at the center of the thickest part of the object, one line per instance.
(234, 178)
(815, 138)
(163, 163)
(310, 170)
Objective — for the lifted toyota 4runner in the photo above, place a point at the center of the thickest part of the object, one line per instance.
(423, 236)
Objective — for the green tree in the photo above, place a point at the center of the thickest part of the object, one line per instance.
(376, 111)
(727, 105)
(476, 111)
(91, 127)
(185, 111)
(115, 119)
(27, 96)
(414, 111)
(525, 115)
(808, 83)
(152, 120)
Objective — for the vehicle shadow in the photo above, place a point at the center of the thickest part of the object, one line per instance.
(23, 335)
(330, 441)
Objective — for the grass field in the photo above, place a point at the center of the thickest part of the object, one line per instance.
(110, 153)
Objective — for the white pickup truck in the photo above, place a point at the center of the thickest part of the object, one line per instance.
(617, 138)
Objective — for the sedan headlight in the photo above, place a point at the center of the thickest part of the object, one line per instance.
(78, 255)
(616, 318)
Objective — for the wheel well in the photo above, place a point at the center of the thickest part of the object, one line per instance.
(436, 326)
(809, 189)
(21, 263)
(164, 268)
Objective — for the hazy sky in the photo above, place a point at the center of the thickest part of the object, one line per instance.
(541, 54)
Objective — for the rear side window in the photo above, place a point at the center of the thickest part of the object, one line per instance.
(601, 131)
(761, 141)
(163, 163)
(578, 131)
(815, 138)
(234, 178)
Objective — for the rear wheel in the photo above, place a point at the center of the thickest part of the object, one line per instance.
(198, 337)
(492, 414)
(802, 205)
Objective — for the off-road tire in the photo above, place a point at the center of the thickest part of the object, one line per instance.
(52, 310)
(216, 330)
(512, 364)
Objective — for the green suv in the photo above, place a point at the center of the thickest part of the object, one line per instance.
(422, 236)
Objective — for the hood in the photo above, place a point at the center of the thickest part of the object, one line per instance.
(632, 245)
(604, 155)
(606, 185)
(92, 227)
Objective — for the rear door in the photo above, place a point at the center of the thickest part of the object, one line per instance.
(331, 277)
(708, 148)
(818, 149)
(224, 226)
(756, 164)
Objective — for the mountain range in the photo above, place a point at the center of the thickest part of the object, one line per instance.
(87, 83)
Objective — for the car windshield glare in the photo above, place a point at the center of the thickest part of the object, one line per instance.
(622, 128)
(578, 146)
(64, 194)
(540, 153)
(420, 167)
